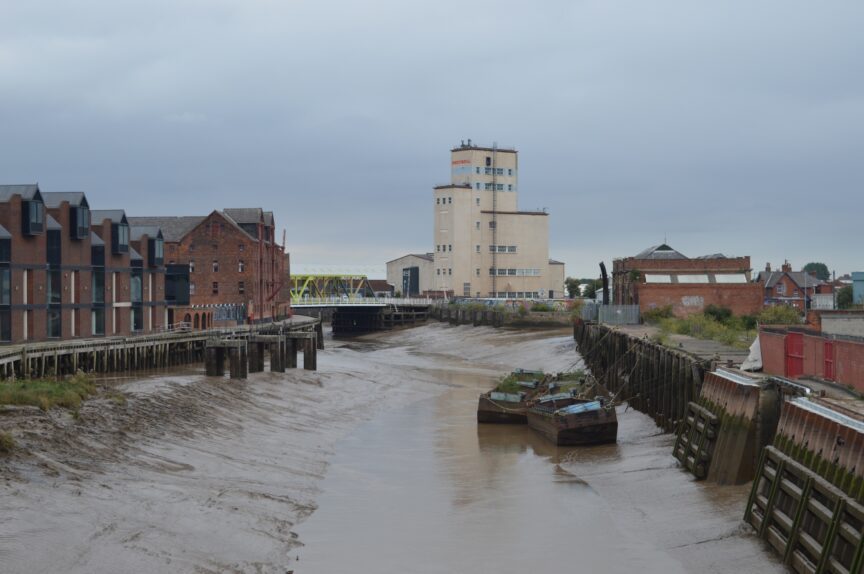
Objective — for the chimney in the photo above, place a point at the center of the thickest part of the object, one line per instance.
(768, 267)
(786, 267)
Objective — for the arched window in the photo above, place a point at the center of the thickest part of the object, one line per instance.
(187, 319)
(204, 320)
(196, 321)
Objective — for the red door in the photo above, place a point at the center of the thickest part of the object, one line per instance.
(794, 355)
(829, 360)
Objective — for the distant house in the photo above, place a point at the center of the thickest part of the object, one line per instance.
(661, 276)
(787, 287)
(411, 274)
(381, 288)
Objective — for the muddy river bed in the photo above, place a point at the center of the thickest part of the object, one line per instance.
(372, 464)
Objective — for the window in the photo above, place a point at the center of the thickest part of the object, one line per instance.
(477, 184)
(55, 286)
(511, 272)
(509, 187)
(97, 321)
(215, 287)
(191, 266)
(477, 169)
(449, 200)
(476, 225)
(488, 161)
(502, 249)
(449, 247)
(158, 256)
(492, 249)
(241, 287)
(191, 288)
(241, 266)
(120, 238)
(98, 285)
(477, 201)
(466, 289)
(5, 286)
(511, 249)
(215, 266)
(781, 288)
(449, 271)
(437, 200)
(491, 225)
(438, 248)
(33, 217)
(509, 172)
(81, 220)
(477, 272)
(477, 249)
(439, 271)
(241, 247)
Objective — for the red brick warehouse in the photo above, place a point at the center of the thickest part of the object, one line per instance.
(661, 276)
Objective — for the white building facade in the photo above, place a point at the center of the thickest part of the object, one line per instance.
(485, 246)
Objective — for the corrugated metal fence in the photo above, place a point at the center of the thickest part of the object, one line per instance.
(611, 314)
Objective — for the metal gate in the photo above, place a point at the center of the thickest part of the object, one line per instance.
(794, 355)
(829, 360)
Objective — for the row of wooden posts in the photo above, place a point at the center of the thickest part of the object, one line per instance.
(119, 354)
(246, 355)
(654, 379)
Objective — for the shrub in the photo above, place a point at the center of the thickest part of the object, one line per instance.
(47, 394)
(720, 314)
(780, 315)
(655, 315)
(540, 308)
(7, 443)
(523, 310)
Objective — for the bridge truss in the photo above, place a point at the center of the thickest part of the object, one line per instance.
(319, 286)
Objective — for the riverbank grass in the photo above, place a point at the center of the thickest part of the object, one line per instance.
(47, 394)
(7, 443)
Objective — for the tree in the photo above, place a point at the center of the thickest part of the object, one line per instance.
(820, 269)
(591, 288)
(572, 285)
(844, 297)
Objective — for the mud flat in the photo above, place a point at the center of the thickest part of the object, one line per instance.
(375, 463)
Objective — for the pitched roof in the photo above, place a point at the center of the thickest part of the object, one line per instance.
(4, 234)
(661, 251)
(244, 214)
(268, 218)
(555, 262)
(426, 256)
(174, 228)
(134, 255)
(95, 239)
(800, 278)
(26, 191)
(51, 223)
(115, 215)
(151, 231)
(379, 285)
(53, 199)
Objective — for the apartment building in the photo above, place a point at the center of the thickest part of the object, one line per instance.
(69, 272)
(485, 246)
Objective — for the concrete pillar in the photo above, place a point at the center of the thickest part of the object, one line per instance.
(310, 355)
(319, 330)
(214, 363)
(291, 354)
(237, 360)
(256, 357)
(276, 364)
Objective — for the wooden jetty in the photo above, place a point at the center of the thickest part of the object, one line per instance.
(244, 346)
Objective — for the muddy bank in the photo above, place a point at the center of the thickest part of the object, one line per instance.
(374, 463)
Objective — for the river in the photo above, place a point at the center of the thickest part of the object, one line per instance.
(373, 464)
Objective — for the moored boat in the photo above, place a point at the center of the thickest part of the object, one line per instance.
(568, 421)
(507, 403)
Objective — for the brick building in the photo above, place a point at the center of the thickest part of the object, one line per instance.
(796, 352)
(794, 288)
(661, 276)
(237, 271)
(68, 272)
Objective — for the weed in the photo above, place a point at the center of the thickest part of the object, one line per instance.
(7, 443)
(47, 394)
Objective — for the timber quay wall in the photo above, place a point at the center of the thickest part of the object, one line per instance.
(456, 315)
(117, 354)
(656, 380)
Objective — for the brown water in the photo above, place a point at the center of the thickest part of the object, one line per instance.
(373, 464)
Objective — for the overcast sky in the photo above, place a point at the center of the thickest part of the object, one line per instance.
(732, 127)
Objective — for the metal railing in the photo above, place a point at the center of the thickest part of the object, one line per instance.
(359, 301)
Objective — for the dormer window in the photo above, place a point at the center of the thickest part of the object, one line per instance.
(120, 238)
(80, 227)
(157, 251)
(33, 217)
